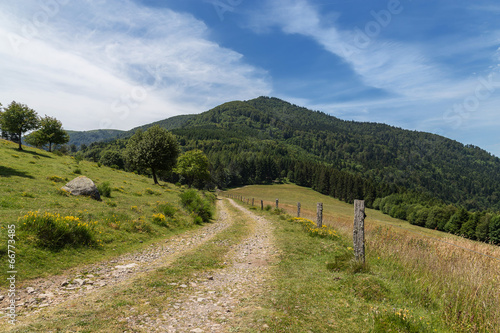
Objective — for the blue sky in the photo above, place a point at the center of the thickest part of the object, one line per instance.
(431, 66)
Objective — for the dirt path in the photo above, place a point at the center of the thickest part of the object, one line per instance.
(48, 292)
(217, 301)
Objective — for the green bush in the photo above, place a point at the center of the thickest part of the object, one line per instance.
(104, 189)
(194, 203)
(268, 207)
(57, 179)
(54, 232)
(278, 211)
(166, 209)
(160, 219)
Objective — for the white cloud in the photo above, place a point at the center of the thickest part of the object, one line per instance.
(115, 63)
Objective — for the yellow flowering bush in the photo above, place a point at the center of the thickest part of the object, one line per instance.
(54, 231)
(160, 220)
(310, 227)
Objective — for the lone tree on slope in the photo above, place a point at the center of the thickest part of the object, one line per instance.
(19, 118)
(50, 132)
(156, 149)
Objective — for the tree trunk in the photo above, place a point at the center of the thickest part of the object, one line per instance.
(154, 177)
(20, 140)
(50, 146)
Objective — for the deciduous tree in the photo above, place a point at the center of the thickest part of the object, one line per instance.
(193, 166)
(156, 149)
(52, 132)
(18, 118)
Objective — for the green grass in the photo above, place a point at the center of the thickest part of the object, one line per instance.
(30, 183)
(412, 282)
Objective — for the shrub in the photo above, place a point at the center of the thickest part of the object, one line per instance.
(311, 228)
(166, 209)
(268, 207)
(104, 189)
(54, 232)
(138, 226)
(151, 192)
(196, 204)
(57, 179)
(63, 192)
(160, 220)
(278, 211)
(77, 171)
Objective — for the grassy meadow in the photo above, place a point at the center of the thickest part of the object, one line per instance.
(416, 279)
(135, 214)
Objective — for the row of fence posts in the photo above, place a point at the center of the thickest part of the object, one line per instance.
(358, 235)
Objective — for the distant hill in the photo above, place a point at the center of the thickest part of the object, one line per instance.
(87, 137)
(264, 139)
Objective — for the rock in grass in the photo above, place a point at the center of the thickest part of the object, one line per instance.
(82, 186)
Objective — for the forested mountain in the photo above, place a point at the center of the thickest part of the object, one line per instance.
(265, 139)
(274, 129)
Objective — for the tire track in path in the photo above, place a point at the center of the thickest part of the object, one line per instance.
(217, 301)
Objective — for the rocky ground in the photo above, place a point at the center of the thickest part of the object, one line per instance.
(213, 302)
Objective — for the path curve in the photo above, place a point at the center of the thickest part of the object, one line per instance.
(216, 303)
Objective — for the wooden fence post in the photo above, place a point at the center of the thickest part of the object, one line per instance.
(277, 203)
(253, 199)
(262, 205)
(359, 230)
(298, 209)
(319, 215)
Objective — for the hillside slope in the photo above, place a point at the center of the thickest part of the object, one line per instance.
(51, 224)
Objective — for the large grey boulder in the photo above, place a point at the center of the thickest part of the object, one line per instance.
(82, 186)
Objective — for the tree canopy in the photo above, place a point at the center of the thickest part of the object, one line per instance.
(156, 149)
(18, 118)
(50, 132)
(194, 167)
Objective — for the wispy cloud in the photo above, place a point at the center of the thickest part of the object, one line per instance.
(117, 63)
(411, 73)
